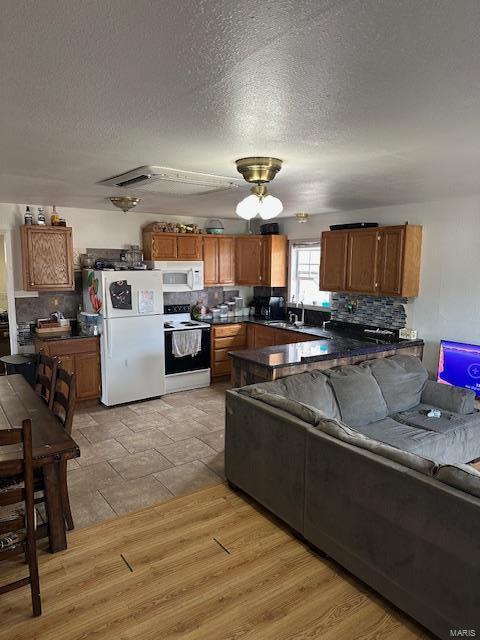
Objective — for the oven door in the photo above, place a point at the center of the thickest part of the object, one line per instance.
(187, 363)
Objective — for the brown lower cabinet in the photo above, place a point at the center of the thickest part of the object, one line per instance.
(237, 336)
(80, 356)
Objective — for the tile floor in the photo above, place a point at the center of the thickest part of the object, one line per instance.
(144, 453)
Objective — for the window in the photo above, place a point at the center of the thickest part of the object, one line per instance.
(305, 274)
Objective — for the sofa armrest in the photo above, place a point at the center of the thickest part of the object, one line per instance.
(265, 455)
(448, 398)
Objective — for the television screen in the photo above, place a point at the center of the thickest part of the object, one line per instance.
(459, 365)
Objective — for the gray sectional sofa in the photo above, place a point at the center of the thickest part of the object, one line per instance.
(349, 459)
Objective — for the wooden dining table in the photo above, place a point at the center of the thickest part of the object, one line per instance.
(51, 445)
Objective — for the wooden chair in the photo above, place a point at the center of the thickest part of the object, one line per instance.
(45, 377)
(17, 527)
(63, 407)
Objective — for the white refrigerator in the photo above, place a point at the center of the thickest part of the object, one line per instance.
(132, 339)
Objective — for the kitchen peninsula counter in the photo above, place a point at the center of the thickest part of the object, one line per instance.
(269, 363)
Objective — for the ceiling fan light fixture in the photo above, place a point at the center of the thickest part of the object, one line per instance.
(270, 207)
(248, 207)
(259, 203)
(259, 170)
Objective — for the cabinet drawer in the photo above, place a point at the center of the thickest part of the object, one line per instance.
(230, 342)
(221, 355)
(229, 330)
(221, 368)
(71, 347)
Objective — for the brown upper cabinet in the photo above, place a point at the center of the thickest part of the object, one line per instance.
(333, 261)
(47, 258)
(171, 246)
(261, 260)
(362, 258)
(219, 260)
(382, 261)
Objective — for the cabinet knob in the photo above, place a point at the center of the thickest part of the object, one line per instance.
(376, 285)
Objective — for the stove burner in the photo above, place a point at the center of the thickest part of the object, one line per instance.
(188, 323)
(167, 325)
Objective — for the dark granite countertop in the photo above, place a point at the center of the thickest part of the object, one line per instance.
(306, 329)
(73, 336)
(336, 346)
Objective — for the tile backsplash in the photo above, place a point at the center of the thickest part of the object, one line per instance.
(210, 296)
(372, 310)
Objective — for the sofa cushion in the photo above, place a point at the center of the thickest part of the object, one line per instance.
(298, 409)
(448, 397)
(358, 395)
(401, 380)
(447, 422)
(461, 476)
(451, 446)
(311, 388)
(408, 459)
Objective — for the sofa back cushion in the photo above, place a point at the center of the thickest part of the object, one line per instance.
(411, 460)
(304, 412)
(311, 388)
(401, 380)
(461, 476)
(358, 395)
(448, 397)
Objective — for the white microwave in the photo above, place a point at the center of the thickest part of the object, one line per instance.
(179, 276)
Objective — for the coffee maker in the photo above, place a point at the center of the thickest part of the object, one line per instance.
(270, 307)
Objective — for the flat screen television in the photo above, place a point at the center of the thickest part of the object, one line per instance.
(459, 365)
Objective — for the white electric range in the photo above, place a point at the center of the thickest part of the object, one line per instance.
(187, 372)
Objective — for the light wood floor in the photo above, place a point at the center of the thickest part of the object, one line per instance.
(204, 566)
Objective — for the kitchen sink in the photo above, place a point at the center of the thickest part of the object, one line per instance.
(279, 323)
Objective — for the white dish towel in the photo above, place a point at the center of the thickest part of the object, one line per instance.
(186, 343)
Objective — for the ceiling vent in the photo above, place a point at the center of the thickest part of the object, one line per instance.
(172, 182)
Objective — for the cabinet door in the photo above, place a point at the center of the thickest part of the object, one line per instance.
(189, 247)
(164, 246)
(210, 261)
(390, 269)
(87, 375)
(264, 336)
(275, 250)
(226, 260)
(333, 261)
(362, 261)
(47, 259)
(248, 255)
(67, 363)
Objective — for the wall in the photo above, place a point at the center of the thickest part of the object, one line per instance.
(449, 302)
(93, 229)
(3, 280)
(99, 228)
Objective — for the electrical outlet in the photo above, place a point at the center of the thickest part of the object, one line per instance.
(408, 334)
(54, 301)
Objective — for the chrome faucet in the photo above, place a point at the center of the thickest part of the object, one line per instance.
(302, 321)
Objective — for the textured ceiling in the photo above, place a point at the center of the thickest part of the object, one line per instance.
(369, 102)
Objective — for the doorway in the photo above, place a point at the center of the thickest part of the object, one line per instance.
(4, 327)
(8, 323)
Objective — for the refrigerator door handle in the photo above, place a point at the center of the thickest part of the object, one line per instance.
(106, 333)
